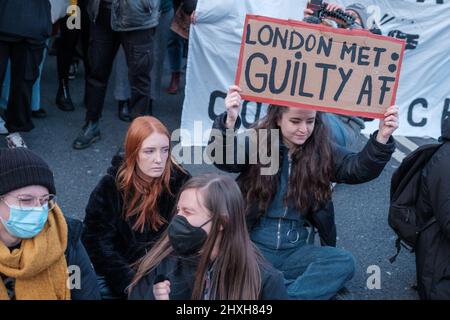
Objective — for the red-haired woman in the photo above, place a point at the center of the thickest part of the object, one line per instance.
(133, 203)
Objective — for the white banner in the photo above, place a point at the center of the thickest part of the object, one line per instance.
(424, 89)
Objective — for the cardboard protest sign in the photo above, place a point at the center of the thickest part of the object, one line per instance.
(298, 64)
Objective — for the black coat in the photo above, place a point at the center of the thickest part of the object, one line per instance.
(433, 244)
(25, 19)
(110, 240)
(349, 167)
(77, 256)
(181, 271)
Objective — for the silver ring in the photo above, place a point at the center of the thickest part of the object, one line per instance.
(296, 239)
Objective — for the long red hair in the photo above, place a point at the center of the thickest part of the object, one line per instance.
(140, 192)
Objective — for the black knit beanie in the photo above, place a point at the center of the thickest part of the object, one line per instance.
(20, 167)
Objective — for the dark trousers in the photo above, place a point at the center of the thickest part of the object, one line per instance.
(25, 59)
(105, 42)
(68, 42)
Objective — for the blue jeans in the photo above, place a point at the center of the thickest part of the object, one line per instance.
(175, 50)
(310, 272)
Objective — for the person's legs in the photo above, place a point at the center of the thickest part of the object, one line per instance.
(318, 273)
(104, 45)
(85, 36)
(138, 47)
(122, 91)
(175, 51)
(64, 57)
(160, 51)
(25, 60)
(36, 109)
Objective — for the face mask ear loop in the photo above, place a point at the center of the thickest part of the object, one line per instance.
(206, 223)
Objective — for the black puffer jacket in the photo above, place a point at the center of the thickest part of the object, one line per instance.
(180, 272)
(110, 240)
(349, 167)
(433, 244)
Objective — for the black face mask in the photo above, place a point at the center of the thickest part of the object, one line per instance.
(184, 237)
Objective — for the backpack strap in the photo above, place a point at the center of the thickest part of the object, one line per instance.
(399, 243)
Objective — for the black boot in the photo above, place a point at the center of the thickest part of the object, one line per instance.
(88, 135)
(63, 100)
(124, 112)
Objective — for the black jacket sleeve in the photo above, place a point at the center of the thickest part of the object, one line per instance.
(273, 287)
(229, 151)
(438, 178)
(99, 234)
(354, 168)
(144, 288)
(324, 221)
(82, 276)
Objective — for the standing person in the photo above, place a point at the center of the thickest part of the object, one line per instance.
(433, 244)
(122, 86)
(24, 28)
(279, 205)
(114, 23)
(39, 247)
(206, 253)
(133, 203)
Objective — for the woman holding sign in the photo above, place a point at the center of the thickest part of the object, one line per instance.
(278, 206)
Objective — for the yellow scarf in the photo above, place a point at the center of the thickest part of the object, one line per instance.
(39, 267)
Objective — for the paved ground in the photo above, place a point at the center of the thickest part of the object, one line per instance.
(361, 211)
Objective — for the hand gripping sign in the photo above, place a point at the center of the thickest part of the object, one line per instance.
(292, 63)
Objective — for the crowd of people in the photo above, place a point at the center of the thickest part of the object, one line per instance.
(153, 231)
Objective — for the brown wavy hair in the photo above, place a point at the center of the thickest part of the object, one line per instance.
(311, 169)
(139, 191)
(237, 273)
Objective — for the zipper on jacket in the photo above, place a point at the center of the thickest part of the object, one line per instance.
(285, 211)
(279, 233)
(287, 205)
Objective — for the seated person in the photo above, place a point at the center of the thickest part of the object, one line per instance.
(206, 253)
(38, 245)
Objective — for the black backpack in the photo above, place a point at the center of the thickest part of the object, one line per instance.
(405, 186)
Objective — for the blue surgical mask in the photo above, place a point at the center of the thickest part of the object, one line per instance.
(25, 224)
